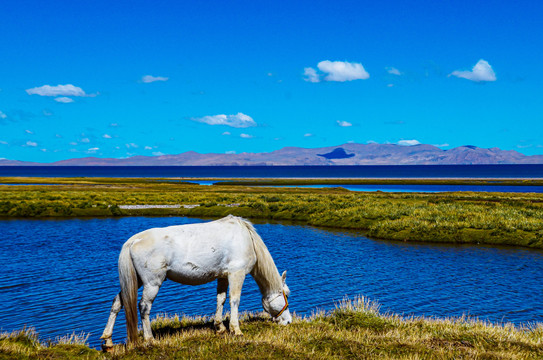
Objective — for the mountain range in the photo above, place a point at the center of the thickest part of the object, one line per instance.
(346, 154)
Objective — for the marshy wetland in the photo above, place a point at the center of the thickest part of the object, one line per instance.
(413, 277)
(448, 217)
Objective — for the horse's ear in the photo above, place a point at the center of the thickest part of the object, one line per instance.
(284, 276)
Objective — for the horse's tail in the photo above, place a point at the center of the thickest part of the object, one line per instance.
(129, 291)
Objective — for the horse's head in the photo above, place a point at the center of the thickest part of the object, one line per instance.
(276, 304)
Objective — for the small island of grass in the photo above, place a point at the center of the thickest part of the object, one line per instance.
(514, 219)
(355, 329)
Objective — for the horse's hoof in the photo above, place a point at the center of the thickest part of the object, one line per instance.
(107, 348)
(237, 333)
(220, 328)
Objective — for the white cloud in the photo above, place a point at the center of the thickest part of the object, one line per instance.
(28, 132)
(441, 145)
(31, 143)
(308, 135)
(113, 124)
(158, 153)
(150, 78)
(2, 115)
(43, 150)
(93, 149)
(106, 136)
(393, 71)
(73, 143)
(344, 123)
(246, 136)
(342, 70)
(3, 142)
(482, 71)
(85, 140)
(59, 90)
(148, 148)
(128, 146)
(336, 71)
(239, 120)
(226, 133)
(311, 75)
(47, 113)
(64, 100)
(230, 152)
(408, 142)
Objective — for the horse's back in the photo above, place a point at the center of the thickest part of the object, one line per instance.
(195, 253)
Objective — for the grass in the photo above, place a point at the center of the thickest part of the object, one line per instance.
(458, 217)
(355, 329)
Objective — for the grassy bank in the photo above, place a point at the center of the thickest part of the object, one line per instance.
(487, 218)
(353, 330)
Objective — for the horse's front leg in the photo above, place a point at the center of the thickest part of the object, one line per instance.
(222, 286)
(108, 331)
(236, 283)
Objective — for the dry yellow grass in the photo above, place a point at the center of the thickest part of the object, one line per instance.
(355, 330)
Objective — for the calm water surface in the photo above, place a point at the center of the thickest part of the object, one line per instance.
(60, 276)
(326, 171)
(427, 188)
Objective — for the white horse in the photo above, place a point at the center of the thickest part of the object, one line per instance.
(227, 250)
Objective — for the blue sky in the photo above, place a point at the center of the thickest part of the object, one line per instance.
(124, 78)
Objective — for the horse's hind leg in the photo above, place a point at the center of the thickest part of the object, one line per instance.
(236, 283)
(108, 331)
(222, 286)
(148, 296)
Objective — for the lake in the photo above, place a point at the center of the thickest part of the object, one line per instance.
(423, 188)
(335, 171)
(60, 276)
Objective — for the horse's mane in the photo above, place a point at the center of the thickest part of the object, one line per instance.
(265, 272)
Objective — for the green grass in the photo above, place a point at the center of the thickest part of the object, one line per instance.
(463, 217)
(355, 329)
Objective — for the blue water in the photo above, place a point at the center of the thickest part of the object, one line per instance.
(429, 188)
(376, 187)
(60, 276)
(367, 171)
